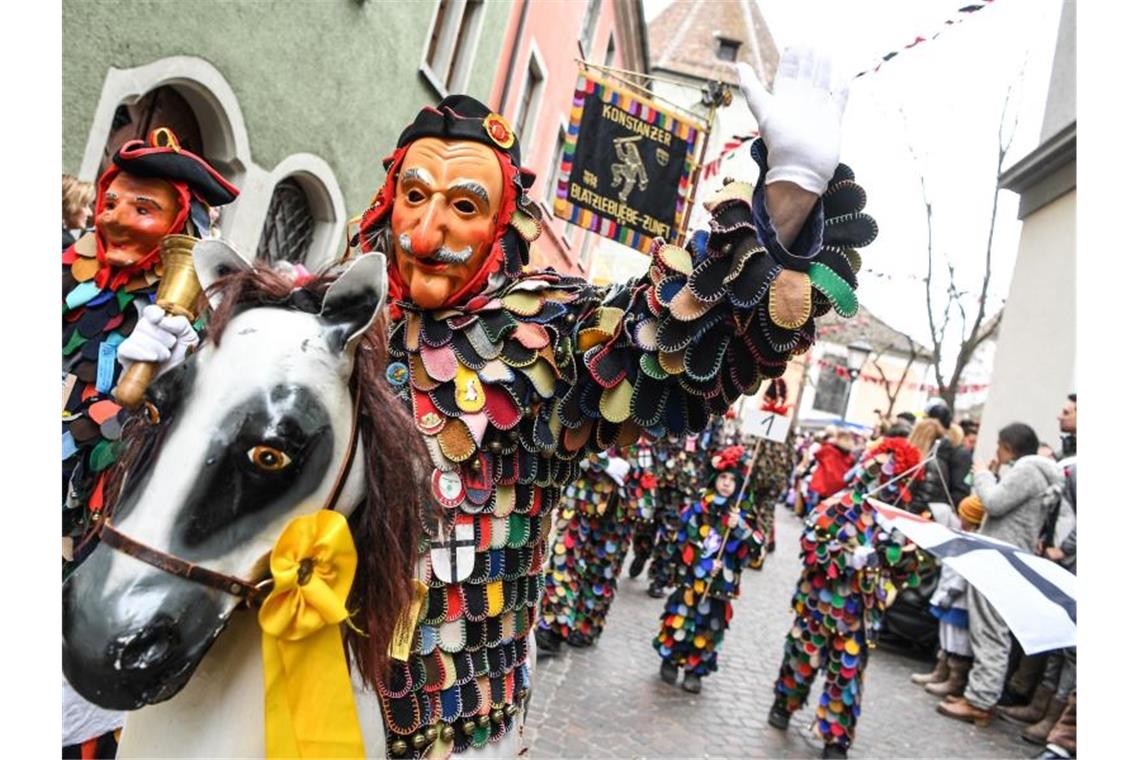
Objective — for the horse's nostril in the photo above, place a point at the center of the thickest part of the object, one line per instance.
(146, 647)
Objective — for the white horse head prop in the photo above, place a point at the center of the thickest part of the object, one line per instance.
(256, 428)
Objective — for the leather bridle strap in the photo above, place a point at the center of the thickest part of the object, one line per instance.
(251, 593)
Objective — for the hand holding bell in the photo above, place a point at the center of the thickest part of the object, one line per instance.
(164, 332)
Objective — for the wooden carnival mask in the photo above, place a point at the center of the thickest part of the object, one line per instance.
(448, 194)
(134, 214)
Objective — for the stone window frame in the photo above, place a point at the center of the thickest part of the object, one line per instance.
(227, 149)
(535, 64)
(461, 45)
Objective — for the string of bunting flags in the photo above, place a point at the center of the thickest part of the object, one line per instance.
(845, 373)
(736, 142)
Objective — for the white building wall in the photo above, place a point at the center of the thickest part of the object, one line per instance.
(1035, 362)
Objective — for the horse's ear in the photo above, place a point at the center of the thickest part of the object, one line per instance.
(354, 300)
(214, 259)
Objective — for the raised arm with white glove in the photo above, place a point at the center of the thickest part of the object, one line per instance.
(800, 120)
(160, 338)
(800, 123)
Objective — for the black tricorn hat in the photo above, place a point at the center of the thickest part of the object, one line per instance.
(462, 117)
(162, 157)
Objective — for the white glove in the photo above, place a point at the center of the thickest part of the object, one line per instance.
(800, 120)
(859, 557)
(158, 337)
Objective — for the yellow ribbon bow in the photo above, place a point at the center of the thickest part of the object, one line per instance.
(309, 705)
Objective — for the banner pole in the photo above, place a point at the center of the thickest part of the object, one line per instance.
(695, 177)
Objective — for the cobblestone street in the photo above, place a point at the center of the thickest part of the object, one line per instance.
(607, 700)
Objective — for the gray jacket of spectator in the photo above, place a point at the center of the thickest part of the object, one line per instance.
(1018, 505)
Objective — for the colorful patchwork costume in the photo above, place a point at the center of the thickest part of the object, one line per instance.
(593, 530)
(101, 306)
(519, 375)
(773, 468)
(678, 485)
(716, 542)
(641, 499)
(852, 569)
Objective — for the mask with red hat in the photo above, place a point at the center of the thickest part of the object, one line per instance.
(152, 189)
(453, 215)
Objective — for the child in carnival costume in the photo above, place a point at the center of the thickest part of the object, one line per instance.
(677, 466)
(641, 499)
(716, 542)
(593, 532)
(852, 569)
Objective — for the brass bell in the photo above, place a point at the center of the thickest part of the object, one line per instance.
(512, 709)
(468, 727)
(418, 741)
(448, 733)
(431, 733)
(497, 715)
(399, 747)
(484, 721)
(522, 693)
(495, 447)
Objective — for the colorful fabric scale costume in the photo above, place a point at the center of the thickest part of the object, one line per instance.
(641, 500)
(717, 540)
(852, 570)
(677, 487)
(772, 470)
(593, 531)
(514, 377)
(152, 189)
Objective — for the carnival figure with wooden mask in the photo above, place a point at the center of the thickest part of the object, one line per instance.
(153, 189)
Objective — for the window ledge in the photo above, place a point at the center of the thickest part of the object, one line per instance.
(433, 80)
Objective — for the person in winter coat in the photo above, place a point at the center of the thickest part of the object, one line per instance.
(1016, 507)
(947, 475)
(832, 462)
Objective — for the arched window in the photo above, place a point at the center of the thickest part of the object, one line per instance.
(161, 107)
(288, 230)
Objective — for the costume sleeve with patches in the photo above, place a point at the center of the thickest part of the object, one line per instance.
(708, 323)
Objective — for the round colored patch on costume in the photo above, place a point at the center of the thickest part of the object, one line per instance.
(447, 487)
(397, 374)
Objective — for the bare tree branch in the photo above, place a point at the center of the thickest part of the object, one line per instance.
(975, 335)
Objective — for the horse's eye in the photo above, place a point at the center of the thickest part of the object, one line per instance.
(268, 458)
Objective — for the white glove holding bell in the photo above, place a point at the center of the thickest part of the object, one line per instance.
(800, 120)
(160, 338)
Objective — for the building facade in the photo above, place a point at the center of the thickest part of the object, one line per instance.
(295, 103)
(534, 89)
(896, 366)
(1035, 363)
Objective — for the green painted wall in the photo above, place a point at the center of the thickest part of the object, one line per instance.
(337, 78)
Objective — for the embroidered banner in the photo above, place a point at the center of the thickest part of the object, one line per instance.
(626, 165)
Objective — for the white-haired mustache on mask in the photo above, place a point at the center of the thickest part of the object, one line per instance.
(442, 255)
